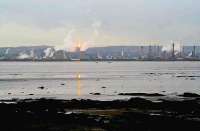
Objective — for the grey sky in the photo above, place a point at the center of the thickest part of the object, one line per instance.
(35, 22)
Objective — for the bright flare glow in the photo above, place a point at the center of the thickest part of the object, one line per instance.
(79, 45)
(78, 76)
(82, 46)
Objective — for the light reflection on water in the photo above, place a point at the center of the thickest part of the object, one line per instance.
(78, 80)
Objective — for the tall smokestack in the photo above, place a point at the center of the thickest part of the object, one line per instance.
(122, 53)
(150, 52)
(194, 51)
(173, 52)
(183, 51)
(78, 50)
(141, 51)
(158, 51)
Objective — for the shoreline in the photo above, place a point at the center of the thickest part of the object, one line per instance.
(92, 115)
(129, 60)
(96, 96)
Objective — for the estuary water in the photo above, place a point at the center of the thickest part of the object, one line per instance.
(77, 80)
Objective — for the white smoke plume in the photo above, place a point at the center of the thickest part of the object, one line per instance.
(96, 26)
(68, 42)
(71, 41)
(23, 56)
(190, 54)
(32, 53)
(178, 47)
(7, 51)
(168, 47)
(49, 52)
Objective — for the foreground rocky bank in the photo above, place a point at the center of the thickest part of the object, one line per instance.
(136, 114)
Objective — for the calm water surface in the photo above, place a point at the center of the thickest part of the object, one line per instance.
(69, 80)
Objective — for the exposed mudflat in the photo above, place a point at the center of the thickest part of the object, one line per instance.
(136, 114)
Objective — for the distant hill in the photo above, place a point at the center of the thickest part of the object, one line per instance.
(110, 52)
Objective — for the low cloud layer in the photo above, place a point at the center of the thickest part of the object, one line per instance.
(97, 22)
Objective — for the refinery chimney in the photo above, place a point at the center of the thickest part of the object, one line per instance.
(122, 53)
(173, 51)
(194, 51)
(150, 52)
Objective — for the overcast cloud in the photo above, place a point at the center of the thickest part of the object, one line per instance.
(100, 22)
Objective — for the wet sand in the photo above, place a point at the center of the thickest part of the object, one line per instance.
(136, 114)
